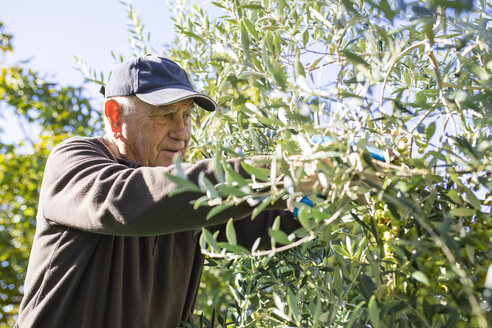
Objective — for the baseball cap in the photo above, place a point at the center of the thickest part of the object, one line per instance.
(155, 80)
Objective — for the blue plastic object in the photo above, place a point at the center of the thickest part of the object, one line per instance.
(377, 154)
(306, 201)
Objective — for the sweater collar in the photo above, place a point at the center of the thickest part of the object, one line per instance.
(115, 153)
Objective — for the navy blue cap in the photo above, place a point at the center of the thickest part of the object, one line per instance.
(155, 80)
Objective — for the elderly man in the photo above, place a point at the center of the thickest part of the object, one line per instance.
(112, 247)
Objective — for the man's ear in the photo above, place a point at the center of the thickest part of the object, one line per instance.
(113, 115)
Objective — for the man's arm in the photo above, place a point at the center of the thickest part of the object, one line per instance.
(248, 230)
(84, 188)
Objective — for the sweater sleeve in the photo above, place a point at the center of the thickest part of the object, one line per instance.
(85, 188)
(248, 230)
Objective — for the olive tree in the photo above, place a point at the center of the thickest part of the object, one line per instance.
(399, 239)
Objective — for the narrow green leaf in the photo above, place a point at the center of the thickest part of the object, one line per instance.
(260, 173)
(252, 6)
(355, 314)
(305, 216)
(238, 249)
(193, 35)
(298, 67)
(231, 232)
(421, 277)
(470, 253)
(276, 223)
(269, 42)
(254, 138)
(210, 239)
(373, 311)
(355, 59)
(360, 248)
(429, 132)
(179, 168)
(278, 74)
(216, 210)
(218, 170)
(473, 200)
(337, 281)
(206, 185)
(398, 251)
(340, 250)
(269, 121)
(388, 12)
(315, 63)
(474, 67)
(183, 185)
(228, 190)
(366, 285)
(292, 303)
(363, 224)
(461, 211)
(429, 311)
(408, 80)
(250, 27)
(218, 4)
(279, 236)
(368, 159)
(202, 201)
(260, 208)
(277, 42)
(245, 40)
(305, 37)
(320, 17)
(234, 178)
(273, 171)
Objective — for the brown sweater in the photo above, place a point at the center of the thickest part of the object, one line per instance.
(112, 248)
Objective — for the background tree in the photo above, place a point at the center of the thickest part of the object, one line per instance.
(59, 112)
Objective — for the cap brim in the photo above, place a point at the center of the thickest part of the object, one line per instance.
(169, 96)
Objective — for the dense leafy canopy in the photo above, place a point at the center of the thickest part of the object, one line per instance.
(406, 242)
(407, 76)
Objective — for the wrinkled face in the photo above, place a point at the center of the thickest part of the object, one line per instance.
(153, 136)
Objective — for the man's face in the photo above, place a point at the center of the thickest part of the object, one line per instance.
(153, 136)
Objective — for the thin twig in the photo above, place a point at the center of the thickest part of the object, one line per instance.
(274, 251)
(470, 48)
(301, 241)
(469, 87)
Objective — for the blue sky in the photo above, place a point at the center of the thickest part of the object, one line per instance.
(51, 32)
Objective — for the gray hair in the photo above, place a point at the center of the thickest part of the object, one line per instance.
(126, 106)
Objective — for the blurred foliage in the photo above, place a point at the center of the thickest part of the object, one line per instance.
(58, 112)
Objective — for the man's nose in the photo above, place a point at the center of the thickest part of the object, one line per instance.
(179, 129)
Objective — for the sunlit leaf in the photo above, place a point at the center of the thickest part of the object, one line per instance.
(420, 276)
(231, 232)
(374, 312)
